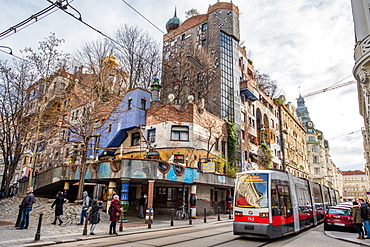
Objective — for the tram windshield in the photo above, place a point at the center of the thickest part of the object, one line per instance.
(251, 190)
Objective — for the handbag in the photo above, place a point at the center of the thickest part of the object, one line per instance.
(118, 213)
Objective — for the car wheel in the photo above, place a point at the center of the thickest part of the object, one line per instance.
(326, 227)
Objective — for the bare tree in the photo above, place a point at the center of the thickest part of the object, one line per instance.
(13, 99)
(191, 73)
(267, 85)
(94, 96)
(139, 55)
(46, 61)
(191, 12)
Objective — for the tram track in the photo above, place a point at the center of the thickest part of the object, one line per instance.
(172, 243)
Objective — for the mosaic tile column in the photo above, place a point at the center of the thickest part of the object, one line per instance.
(111, 190)
(124, 197)
(66, 190)
(193, 202)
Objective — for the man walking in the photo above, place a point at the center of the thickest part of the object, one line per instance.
(86, 203)
(364, 216)
(142, 203)
(26, 206)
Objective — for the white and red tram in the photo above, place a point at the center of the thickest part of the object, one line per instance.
(274, 203)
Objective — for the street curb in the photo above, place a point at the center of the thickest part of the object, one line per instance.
(329, 234)
(90, 237)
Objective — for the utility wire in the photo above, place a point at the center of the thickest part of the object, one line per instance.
(345, 135)
(35, 17)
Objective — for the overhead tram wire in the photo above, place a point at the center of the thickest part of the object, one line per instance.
(63, 8)
(192, 59)
(25, 23)
(350, 133)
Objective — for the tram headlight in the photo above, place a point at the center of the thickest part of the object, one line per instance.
(264, 215)
(238, 213)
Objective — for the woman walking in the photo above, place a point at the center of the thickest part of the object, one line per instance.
(58, 203)
(114, 214)
(356, 214)
(94, 215)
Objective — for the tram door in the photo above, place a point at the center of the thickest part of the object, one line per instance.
(283, 207)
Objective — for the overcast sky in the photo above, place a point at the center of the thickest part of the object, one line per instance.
(305, 45)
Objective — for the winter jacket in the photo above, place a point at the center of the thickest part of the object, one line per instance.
(94, 215)
(115, 208)
(356, 214)
(28, 201)
(58, 203)
(364, 211)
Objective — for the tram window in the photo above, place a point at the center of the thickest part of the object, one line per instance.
(251, 191)
(275, 205)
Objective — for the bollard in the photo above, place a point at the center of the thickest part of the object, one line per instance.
(38, 232)
(19, 218)
(84, 232)
(205, 215)
(219, 219)
(230, 214)
(121, 223)
(171, 218)
(190, 220)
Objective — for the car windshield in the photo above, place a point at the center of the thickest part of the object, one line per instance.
(340, 211)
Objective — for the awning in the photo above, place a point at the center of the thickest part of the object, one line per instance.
(248, 94)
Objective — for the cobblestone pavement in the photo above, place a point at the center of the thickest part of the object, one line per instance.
(69, 230)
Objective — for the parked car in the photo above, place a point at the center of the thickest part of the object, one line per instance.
(340, 218)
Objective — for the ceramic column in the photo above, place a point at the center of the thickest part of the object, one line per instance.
(111, 190)
(124, 197)
(193, 202)
(66, 190)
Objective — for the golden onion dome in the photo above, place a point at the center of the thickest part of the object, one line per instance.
(111, 60)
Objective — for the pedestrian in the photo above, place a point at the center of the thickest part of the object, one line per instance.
(142, 203)
(26, 206)
(86, 203)
(364, 216)
(58, 203)
(94, 215)
(114, 214)
(357, 220)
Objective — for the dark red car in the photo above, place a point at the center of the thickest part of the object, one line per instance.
(340, 218)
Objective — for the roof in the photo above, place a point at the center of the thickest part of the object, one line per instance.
(357, 172)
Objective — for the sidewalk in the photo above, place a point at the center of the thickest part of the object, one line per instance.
(54, 234)
(348, 237)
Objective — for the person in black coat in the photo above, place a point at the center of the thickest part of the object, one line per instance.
(58, 203)
(94, 215)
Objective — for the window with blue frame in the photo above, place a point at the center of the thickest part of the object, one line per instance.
(179, 133)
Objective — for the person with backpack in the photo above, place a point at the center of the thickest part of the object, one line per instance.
(365, 216)
(94, 215)
(357, 220)
(86, 203)
(114, 213)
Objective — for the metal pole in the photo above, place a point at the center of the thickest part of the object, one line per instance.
(219, 219)
(230, 214)
(190, 220)
(38, 232)
(121, 223)
(205, 215)
(171, 217)
(84, 232)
